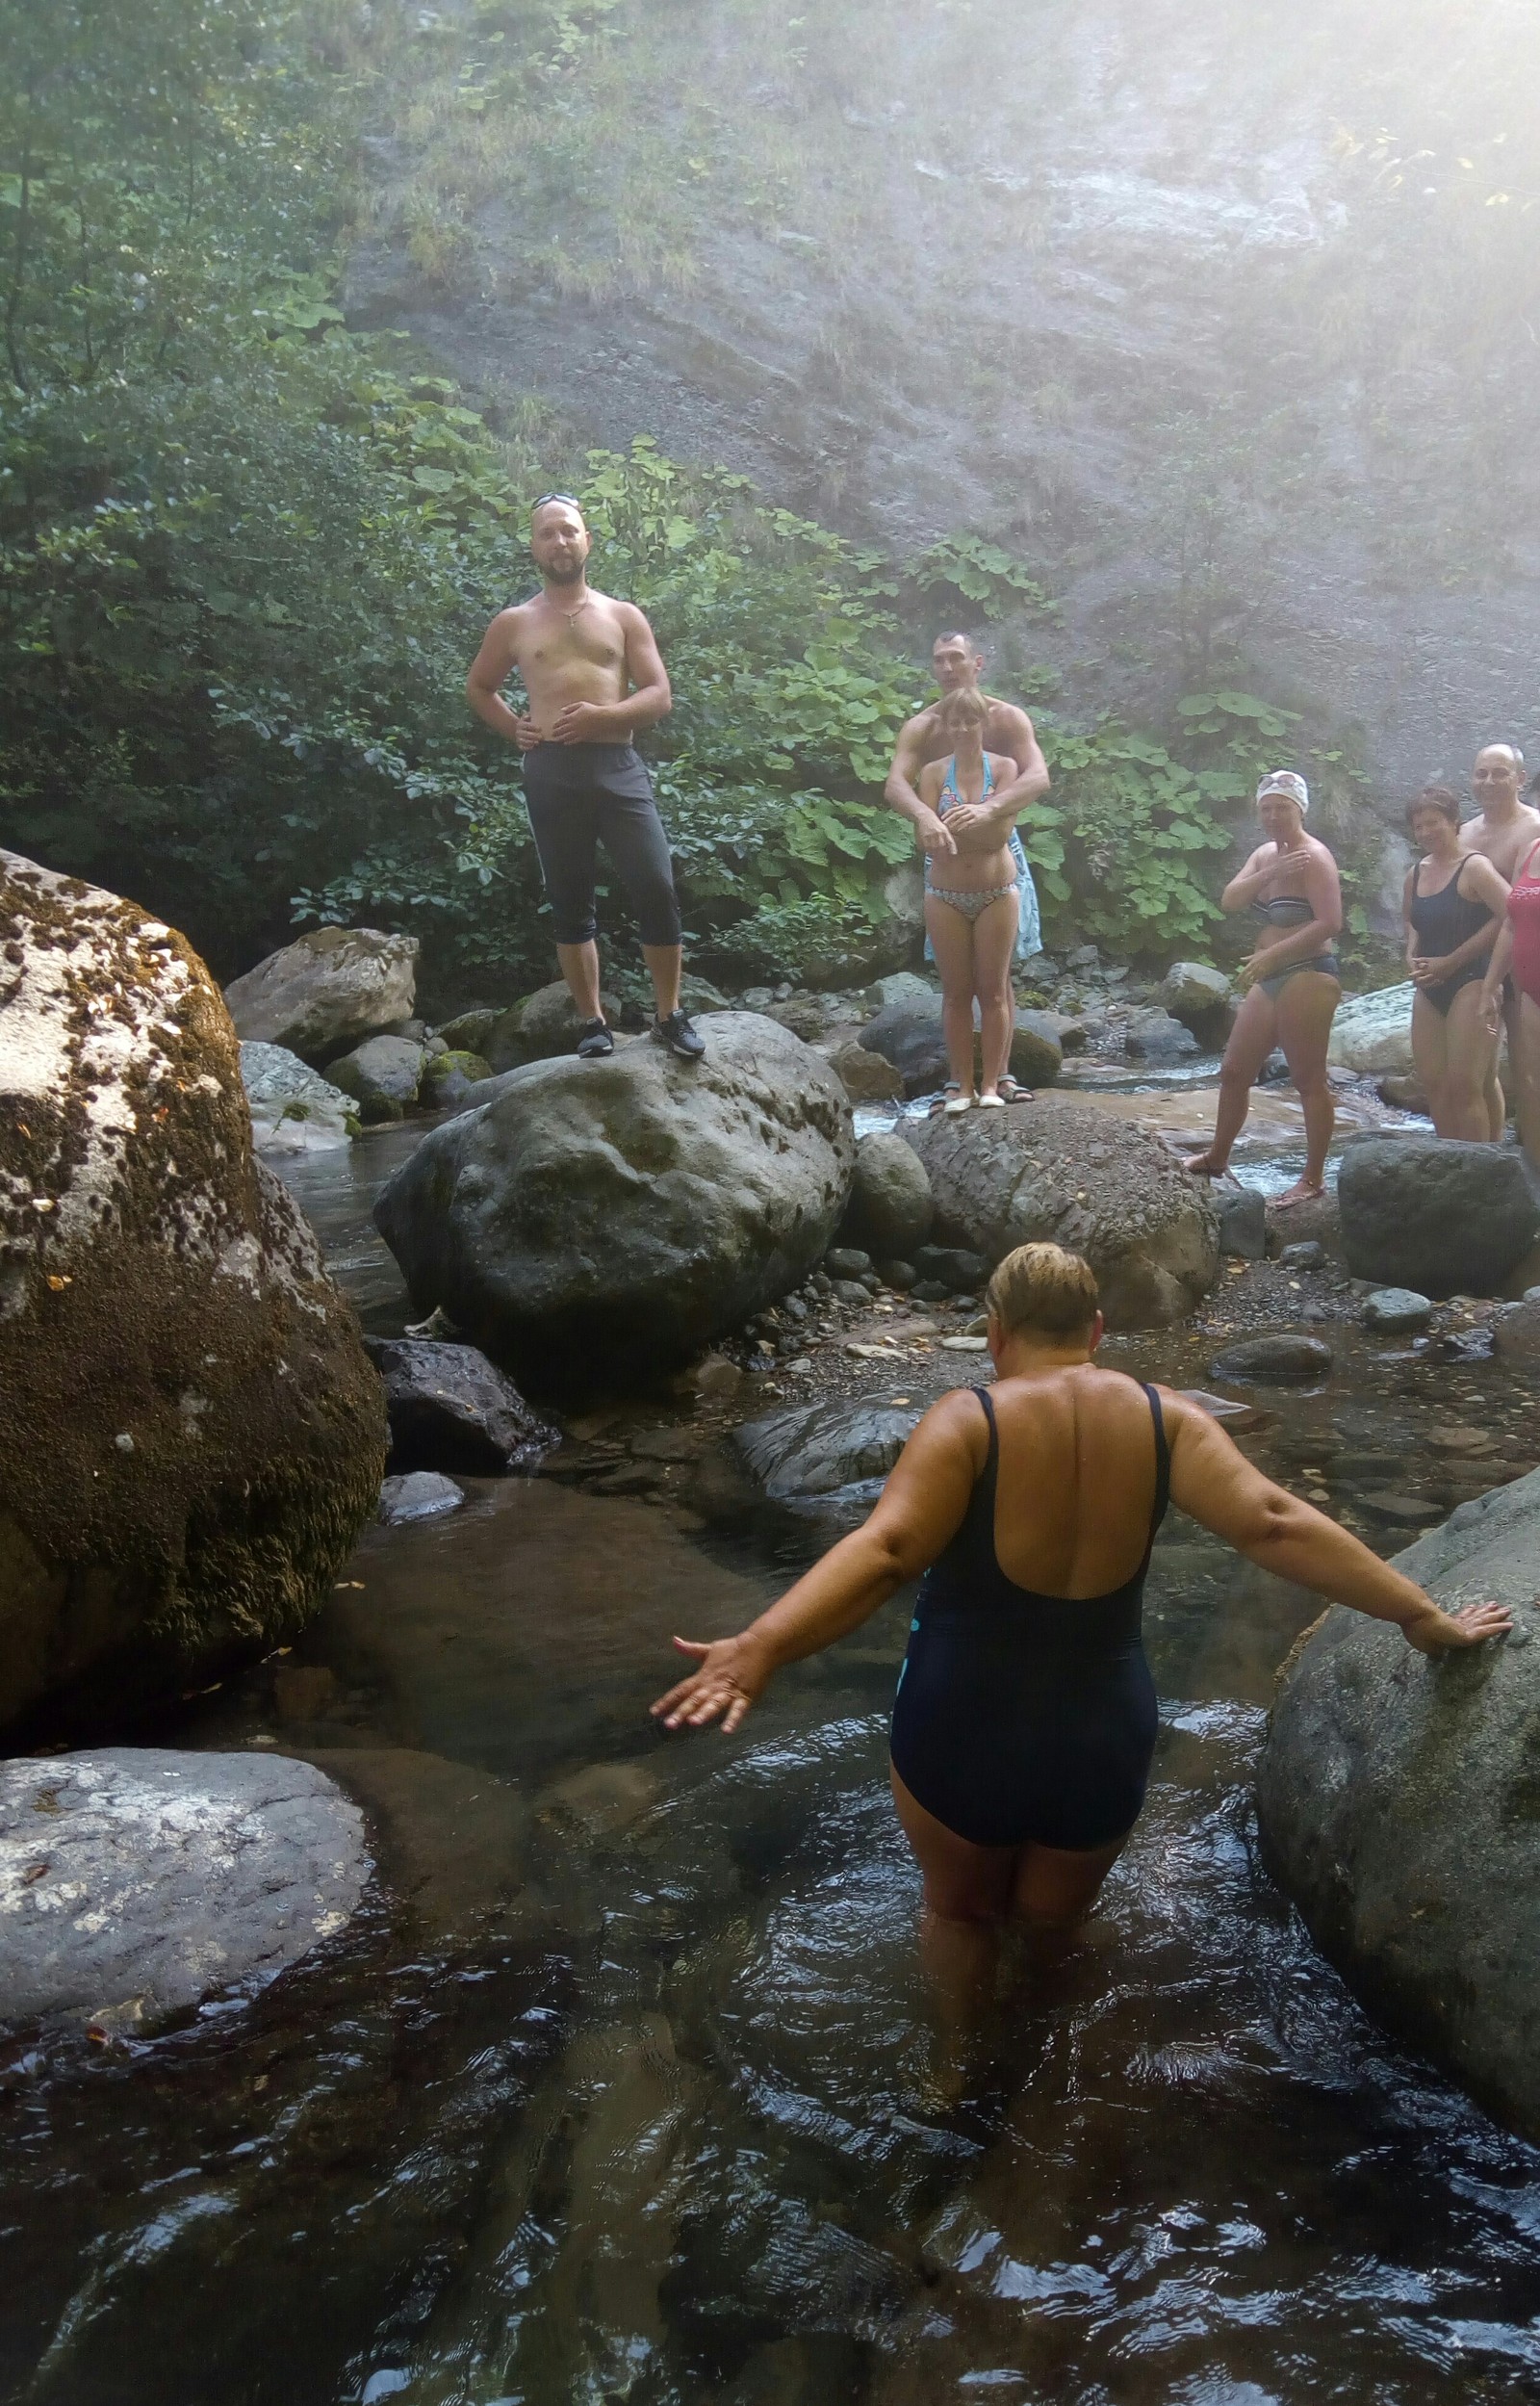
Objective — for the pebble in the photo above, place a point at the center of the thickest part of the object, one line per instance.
(1457, 1439)
(849, 1291)
(1396, 1310)
(965, 1345)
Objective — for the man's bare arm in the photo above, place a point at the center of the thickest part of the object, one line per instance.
(1211, 1478)
(650, 699)
(1031, 782)
(491, 669)
(902, 792)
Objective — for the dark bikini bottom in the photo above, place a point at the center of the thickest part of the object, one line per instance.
(1442, 995)
(1326, 962)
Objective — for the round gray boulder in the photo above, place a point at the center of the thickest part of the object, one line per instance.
(134, 1882)
(1398, 1800)
(1064, 1171)
(890, 1205)
(326, 991)
(599, 1221)
(382, 1074)
(1440, 1217)
(1372, 1034)
(1199, 996)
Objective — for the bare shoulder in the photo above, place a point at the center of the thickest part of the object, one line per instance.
(919, 728)
(1008, 716)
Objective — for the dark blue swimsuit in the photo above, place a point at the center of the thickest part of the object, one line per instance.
(1022, 1718)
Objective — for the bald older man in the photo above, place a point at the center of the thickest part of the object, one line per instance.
(1502, 831)
(595, 678)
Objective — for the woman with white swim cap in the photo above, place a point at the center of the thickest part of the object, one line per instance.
(1291, 883)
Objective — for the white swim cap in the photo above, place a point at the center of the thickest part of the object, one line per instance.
(1286, 781)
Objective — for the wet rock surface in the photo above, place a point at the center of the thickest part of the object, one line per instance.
(1396, 1310)
(1062, 1170)
(1427, 1908)
(418, 1496)
(825, 1446)
(190, 1435)
(452, 1409)
(293, 1108)
(135, 1881)
(602, 1219)
(1440, 1217)
(1273, 1360)
(326, 991)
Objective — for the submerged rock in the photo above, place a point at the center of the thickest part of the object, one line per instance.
(601, 1221)
(190, 1435)
(452, 1409)
(418, 1496)
(134, 1882)
(1516, 1331)
(819, 1448)
(1398, 1802)
(1372, 1034)
(1441, 1217)
(891, 1206)
(293, 1108)
(1062, 1170)
(1279, 1360)
(326, 991)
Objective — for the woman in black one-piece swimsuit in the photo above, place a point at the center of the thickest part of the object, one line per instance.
(1454, 909)
(1025, 1715)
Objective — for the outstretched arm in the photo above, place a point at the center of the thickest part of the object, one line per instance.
(650, 698)
(902, 791)
(918, 1510)
(1211, 1478)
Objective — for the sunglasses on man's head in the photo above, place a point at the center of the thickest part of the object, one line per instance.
(568, 500)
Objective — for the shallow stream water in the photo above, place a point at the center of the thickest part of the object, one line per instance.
(621, 2087)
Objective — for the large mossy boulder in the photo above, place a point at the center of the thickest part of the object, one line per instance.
(1061, 1170)
(190, 1433)
(1441, 1217)
(327, 991)
(1399, 1806)
(595, 1222)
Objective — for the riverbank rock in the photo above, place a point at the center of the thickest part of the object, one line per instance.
(1441, 1217)
(908, 1033)
(418, 1496)
(541, 1028)
(1062, 1170)
(891, 1206)
(1372, 1034)
(1516, 1331)
(452, 1409)
(1284, 1359)
(1396, 1311)
(1155, 1035)
(135, 1881)
(382, 1074)
(865, 1076)
(450, 1077)
(326, 992)
(293, 1108)
(819, 1448)
(190, 1434)
(1397, 1803)
(603, 1221)
(1200, 996)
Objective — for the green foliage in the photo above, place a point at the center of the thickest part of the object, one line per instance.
(979, 572)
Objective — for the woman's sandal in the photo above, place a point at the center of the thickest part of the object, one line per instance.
(991, 1103)
(1009, 1090)
(957, 1104)
(1304, 1190)
(939, 1103)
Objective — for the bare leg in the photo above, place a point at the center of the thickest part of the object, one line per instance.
(1471, 1055)
(580, 967)
(665, 965)
(1525, 1061)
(952, 936)
(994, 935)
(1055, 1889)
(1430, 1058)
(1306, 1009)
(968, 1893)
(1251, 1040)
(1497, 1103)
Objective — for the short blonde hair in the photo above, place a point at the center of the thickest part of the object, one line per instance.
(1043, 1288)
(963, 707)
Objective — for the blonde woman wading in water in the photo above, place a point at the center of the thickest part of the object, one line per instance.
(972, 897)
(1291, 883)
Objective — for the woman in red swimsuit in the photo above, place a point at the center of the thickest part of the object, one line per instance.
(1517, 951)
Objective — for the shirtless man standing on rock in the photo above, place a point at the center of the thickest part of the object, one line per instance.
(955, 663)
(1503, 831)
(594, 678)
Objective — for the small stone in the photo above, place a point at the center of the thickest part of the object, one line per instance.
(898, 1275)
(1243, 1224)
(929, 1291)
(965, 1345)
(418, 1496)
(845, 1261)
(1389, 1504)
(1456, 1439)
(123, 1442)
(1280, 1360)
(716, 1376)
(850, 1291)
(1306, 1256)
(957, 1272)
(1396, 1310)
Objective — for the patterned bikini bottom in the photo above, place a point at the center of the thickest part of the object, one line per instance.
(971, 904)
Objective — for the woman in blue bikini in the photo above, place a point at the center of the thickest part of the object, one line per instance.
(972, 900)
(1290, 884)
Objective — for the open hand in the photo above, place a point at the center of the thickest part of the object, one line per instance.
(1471, 1625)
(580, 722)
(728, 1677)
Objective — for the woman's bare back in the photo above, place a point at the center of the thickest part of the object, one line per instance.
(1076, 1486)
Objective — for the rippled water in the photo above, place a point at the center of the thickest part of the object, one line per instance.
(620, 2088)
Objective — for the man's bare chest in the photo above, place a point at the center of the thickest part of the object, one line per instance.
(1503, 847)
(588, 639)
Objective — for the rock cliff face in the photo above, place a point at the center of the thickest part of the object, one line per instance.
(1137, 289)
(190, 1435)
